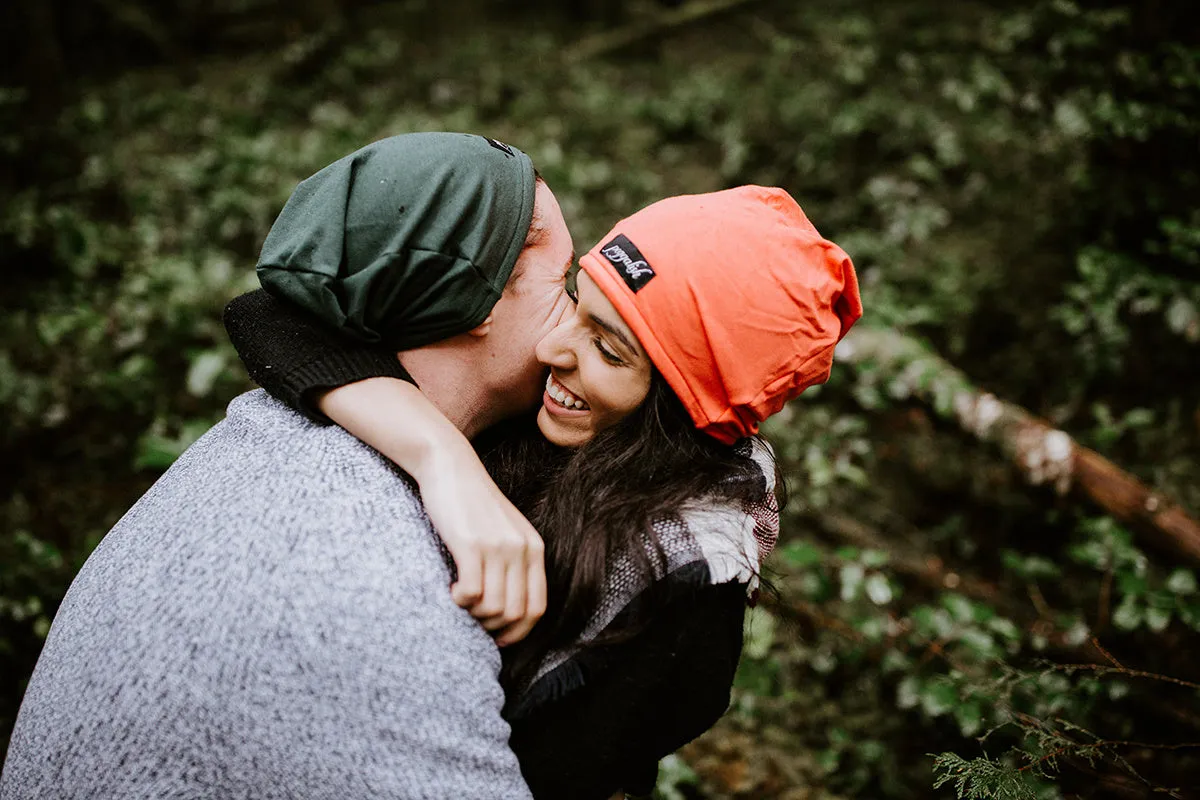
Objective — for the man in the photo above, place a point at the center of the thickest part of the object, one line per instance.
(272, 618)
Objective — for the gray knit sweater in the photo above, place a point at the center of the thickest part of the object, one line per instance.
(271, 620)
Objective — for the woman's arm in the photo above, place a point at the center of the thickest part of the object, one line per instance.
(499, 556)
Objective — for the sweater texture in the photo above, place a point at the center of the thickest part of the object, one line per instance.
(601, 719)
(271, 620)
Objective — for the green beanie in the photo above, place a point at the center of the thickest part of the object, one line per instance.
(405, 242)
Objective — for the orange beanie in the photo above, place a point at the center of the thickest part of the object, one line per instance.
(737, 299)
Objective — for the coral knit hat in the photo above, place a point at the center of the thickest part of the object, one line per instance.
(736, 298)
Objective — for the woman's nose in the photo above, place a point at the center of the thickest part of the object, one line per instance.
(554, 349)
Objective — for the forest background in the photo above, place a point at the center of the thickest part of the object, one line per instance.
(987, 576)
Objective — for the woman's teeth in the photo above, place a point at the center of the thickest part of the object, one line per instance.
(562, 396)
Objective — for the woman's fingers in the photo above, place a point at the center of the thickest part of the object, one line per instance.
(498, 554)
(516, 594)
(501, 562)
(535, 594)
(467, 591)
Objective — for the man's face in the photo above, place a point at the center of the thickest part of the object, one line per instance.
(531, 306)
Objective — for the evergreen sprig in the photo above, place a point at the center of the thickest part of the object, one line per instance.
(982, 778)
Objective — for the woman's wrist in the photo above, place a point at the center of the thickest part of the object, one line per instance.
(394, 417)
(442, 453)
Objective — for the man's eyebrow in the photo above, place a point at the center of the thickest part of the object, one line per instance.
(615, 331)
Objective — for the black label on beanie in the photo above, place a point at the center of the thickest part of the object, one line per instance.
(628, 261)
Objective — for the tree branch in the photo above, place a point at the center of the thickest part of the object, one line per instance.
(1130, 673)
(931, 573)
(1043, 454)
(602, 44)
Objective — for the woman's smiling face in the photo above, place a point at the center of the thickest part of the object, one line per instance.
(599, 373)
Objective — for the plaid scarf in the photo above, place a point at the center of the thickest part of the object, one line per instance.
(704, 544)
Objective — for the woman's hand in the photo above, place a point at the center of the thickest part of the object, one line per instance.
(498, 554)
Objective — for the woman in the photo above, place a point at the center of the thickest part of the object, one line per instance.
(694, 320)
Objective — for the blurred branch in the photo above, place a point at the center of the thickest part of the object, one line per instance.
(132, 16)
(926, 569)
(931, 573)
(304, 57)
(1101, 669)
(611, 41)
(1042, 453)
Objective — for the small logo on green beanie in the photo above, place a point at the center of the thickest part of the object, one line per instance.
(501, 146)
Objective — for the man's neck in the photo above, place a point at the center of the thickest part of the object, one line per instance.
(452, 383)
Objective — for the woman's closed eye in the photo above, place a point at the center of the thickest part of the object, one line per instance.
(609, 355)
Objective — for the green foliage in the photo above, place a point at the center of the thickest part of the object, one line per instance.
(983, 779)
(674, 776)
(1144, 596)
(20, 602)
(1017, 186)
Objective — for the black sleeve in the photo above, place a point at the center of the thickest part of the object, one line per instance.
(641, 700)
(291, 355)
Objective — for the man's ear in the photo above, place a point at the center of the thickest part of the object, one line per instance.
(483, 328)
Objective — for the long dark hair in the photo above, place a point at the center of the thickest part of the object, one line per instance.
(600, 500)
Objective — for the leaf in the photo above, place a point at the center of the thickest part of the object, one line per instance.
(851, 576)
(874, 559)
(1139, 417)
(801, 554)
(1182, 581)
(874, 627)
(908, 692)
(979, 641)
(204, 372)
(1157, 619)
(934, 623)
(1006, 628)
(1077, 633)
(1091, 553)
(894, 661)
(872, 751)
(760, 633)
(1128, 615)
(156, 452)
(938, 698)
(958, 606)
(969, 716)
(1182, 318)
(673, 773)
(878, 589)
(1132, 583)
(1031, 567)
(982, 778)
(815, 586)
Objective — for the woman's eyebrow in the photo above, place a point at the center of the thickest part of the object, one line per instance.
(615, 331)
